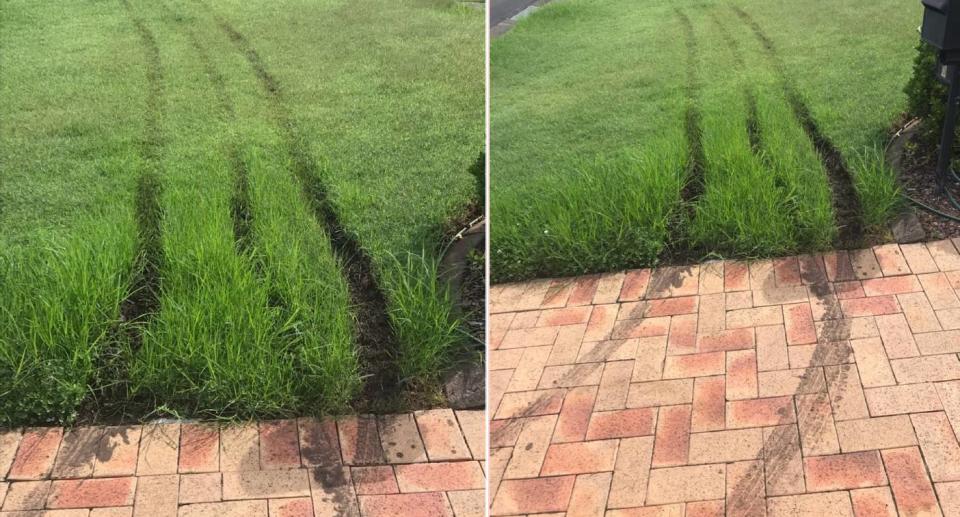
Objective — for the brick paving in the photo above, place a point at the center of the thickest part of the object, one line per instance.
(426, 463)
(819, 385)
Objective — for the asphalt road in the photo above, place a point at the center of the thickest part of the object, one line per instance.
(503, 9)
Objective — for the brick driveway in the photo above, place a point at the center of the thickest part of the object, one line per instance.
(428, 463)
(821, 385)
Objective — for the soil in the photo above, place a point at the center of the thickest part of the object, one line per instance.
(917, 164)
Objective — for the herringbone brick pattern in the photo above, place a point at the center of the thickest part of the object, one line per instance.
(427, 463)
(822, 385)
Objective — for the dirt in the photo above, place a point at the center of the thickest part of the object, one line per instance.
(918, 162)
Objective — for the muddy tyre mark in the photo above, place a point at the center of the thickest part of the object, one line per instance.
(374, 333)
(693, 127)
(846, 203)
(740, 67)
(144, 298)
(780, 448)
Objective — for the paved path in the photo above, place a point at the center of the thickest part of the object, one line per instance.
(811, 386)
(502, 10)
(422, 464)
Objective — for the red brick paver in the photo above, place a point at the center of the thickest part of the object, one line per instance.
(288, 468)
(815, 385)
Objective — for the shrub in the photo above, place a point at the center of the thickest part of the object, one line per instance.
(927, 96)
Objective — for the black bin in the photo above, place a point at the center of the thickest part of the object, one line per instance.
(941, 24)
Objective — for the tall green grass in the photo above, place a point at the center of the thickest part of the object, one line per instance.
(259, 327)
(742, 211)
(613, 212)
(60, 313)
(254, 328)
(792, 159)
(561, 94)
(67, 180)
(421, 310)
(307, 282)
(877, 187)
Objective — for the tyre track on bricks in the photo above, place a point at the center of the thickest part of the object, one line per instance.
(375, 335)
(748, 496)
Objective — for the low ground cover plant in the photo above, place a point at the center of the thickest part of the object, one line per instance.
(199, 212)
(782, 114)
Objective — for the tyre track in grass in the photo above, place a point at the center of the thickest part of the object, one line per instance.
(750, 96)
(694, 184)
(375, 336)
(144, 298)
(240, 209)
(846, 202)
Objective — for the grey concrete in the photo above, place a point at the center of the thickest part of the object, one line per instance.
(502, 10)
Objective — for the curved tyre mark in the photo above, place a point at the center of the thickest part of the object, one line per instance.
(375, 335)
(846, 202)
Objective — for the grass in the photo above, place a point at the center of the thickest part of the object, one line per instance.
(254, 312)
(612, 211)
(876, 183)
(561, 95)
(421, 313)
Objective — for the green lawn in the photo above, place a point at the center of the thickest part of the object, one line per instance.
(184, 164)
(581, 82)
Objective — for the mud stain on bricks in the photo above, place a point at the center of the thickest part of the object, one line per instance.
(747, 496)
(374, 333)
(336, 489)
(846, 202)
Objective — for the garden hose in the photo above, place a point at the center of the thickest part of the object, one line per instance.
(920, 204)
